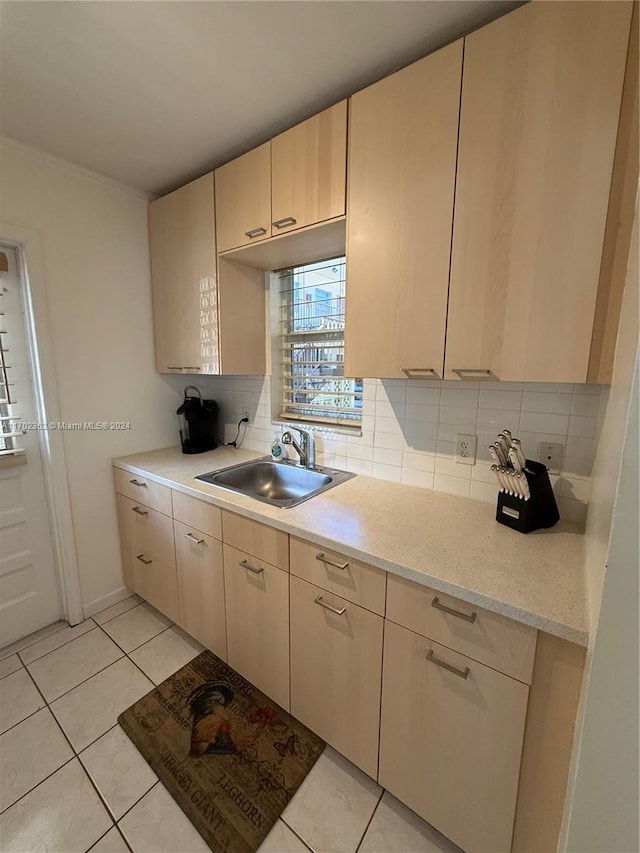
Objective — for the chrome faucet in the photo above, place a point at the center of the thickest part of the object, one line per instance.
(306, 449)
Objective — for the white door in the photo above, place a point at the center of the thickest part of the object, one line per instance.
(29, 591)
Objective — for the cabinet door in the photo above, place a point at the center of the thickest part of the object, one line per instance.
(336, 661)
(126, 547)
(257, 602)
(450, 745)
(540, 103)
(402, 161)
(201, 587)
(308, 171)
(183, 269)
(157, 583)
(243, 199)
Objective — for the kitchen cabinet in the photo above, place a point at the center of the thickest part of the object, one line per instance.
(402, 168)
(336, 661)
(201, 587)
(257, 608)
(308, 171)
(540, 104)
(451, 740)
(243, 199)
(258, 540)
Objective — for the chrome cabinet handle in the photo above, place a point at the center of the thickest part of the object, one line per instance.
(191, 367)
(476, 372)
(255, 232)
(468, 617)
(246, 565)
(170, 367)
(328, 562)
(142, 560)
(282, 223)
(193, 538)
(137, 483)
(410, 371)
(461, 673)
(139, 511)
(338, 612)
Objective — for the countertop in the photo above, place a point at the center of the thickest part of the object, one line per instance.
(452, 544)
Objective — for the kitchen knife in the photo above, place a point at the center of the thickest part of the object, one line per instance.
(521, 457)
(502, 459)
(525, 486)
(508, 435)
(514, 459)
(495, 456)
(502, 441)
(496, 471)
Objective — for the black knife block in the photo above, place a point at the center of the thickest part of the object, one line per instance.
(541, 510)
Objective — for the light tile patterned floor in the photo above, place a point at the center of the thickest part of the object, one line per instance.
(71, 781)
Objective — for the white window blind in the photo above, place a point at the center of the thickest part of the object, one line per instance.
(9, 308)
(311, 307)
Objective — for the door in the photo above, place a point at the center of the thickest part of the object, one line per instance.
(243, 199)
(402, 162)
(29, 592)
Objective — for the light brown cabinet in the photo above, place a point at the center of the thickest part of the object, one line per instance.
(336, 661)
(451, 740)
(308, 171)
(402, 167)
(539, 117)
(243, 199)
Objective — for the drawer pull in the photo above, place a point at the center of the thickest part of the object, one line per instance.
(139, 511)
(142, 560)
(138, 483)
(282, 223)
(193, 538)
(461, 673)
(410, 372)
(327, 562)
(338, 612)
(474, 372)
(246, 565)
(255, 232)
(468, 617)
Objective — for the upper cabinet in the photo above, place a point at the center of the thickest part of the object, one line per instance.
(309, 171)
(540, 105)
(243, 199)
(402, 166)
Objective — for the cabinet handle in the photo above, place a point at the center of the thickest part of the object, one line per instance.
(282, 223)
(461, 673)
(326, 606)
(323, 559)
(468, 617)
(191, 367)
(410, 371)
(476, 372)
(193, 538)
(142, 560)
(137, 483)
(173, 367)
(256, 232)
(139, 511)
(246, 565)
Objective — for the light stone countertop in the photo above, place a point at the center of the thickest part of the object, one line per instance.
(451, 544)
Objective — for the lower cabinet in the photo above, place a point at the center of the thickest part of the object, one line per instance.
(336, 663)
(201, 587)
(257, 604)
(451, 740)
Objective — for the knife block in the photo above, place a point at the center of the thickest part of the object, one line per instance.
(541, 510)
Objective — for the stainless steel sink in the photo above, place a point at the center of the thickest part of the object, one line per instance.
(282, 484)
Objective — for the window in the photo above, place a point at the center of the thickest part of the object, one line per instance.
(10, 315)
(311, 334)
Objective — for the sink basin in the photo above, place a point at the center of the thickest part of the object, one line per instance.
(282, 484)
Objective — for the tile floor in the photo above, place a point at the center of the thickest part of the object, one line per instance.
(71, 781)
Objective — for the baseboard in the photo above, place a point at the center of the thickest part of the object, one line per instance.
(106, 601)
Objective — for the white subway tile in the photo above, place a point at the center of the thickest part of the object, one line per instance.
(419, 443)
(482, 472)
(587, 405)
(446, 448)
(335, 460)
(419, 430)
(498, 419)
(359, 466)
(415, 412)
(501, 386)
(487, 492)
(448, 466)
(553, 404)
(584, 427)
(388, 440)
(387, 457)
(452, 485)
(595, 390)
(578, 488)
(385, 409)
(550, 387)
(423, 395)
(575, 465)
(544, 423)
(387, 425)
(387, 472)
(461, 385)
(366, 438)
(459, 397)
(458, 415)
(392, 392)
(582, 447)
(508, 400)
(450, 432)
(363, 452)
(421, 479)
(418, 461)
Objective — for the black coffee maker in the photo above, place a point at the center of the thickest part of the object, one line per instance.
(198, 422)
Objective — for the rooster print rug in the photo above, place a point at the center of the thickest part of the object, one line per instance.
(231, 758)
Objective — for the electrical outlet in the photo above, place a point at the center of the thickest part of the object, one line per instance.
(466, 450)
(551, 456)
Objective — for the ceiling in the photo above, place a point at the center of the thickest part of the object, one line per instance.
(153, 93)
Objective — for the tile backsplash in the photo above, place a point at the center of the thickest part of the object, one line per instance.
(410, 428)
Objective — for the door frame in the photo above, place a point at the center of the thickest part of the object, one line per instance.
(26, 243)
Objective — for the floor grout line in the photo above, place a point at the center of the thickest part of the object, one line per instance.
(41, 782)
(373, 813)
(61, 646)
(84, 680)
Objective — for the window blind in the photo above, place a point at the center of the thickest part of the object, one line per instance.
(314, 388)
(8, 435)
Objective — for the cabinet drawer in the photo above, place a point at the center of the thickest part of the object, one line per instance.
(487, 637)
(150, 532)
(336, 662)
(257, 603)
(201, 587)
(157, 583)
(450, 745)
(141, 489)
(355, 581)
(199, 514)
(256, 539)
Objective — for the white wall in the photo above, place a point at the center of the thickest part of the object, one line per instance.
(95, 250)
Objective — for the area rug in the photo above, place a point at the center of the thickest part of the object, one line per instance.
(231, 758)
